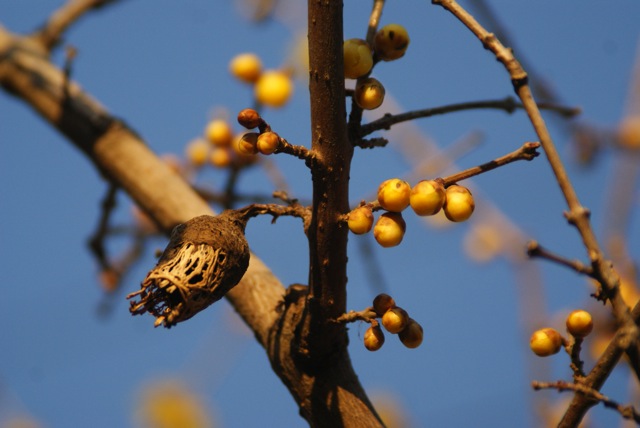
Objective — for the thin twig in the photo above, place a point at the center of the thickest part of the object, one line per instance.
(528, 151)
(626, 411)
(366, 315)
(50, 34)
(577, 365)
(374, 20)
(507, 104)
(96, 241)
(536, 250)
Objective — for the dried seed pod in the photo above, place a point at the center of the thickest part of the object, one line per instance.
(205, 258)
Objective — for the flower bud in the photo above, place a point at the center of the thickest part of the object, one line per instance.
(458, 205)
(249, 118)
(382, 303)
(427, 197)
(373, 337)
(545, 342)
(268, 142)
(395, 320)
(412, 335)
(394, 194)
(579, 323)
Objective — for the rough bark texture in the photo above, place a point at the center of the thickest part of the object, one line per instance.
(307, 351)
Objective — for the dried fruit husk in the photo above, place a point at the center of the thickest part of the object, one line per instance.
(205, 258)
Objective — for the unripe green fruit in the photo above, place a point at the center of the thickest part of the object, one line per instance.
(246, 67)
(579, 323)
(458, 205)
(394, 194)
(427, 197)
(268, 142)
(373, 338)
(382, 303)
(389, 229)
(249, 118)
(273, 88)
(391, 42)
(545, 342)
(395, 320)
(358, 58)
(412, 335)
(369, 93)
(360, 220)
(247, 144)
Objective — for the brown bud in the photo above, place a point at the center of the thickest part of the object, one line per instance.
(249, 118)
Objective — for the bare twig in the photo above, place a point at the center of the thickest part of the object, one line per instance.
(374, 20)
(507, 104)
(51, 32)
(528, 151)
(626, 411)
(536, 250)
(366, 315)
(577, 365)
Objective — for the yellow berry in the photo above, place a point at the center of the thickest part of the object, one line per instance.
(358, 58)
(374, 338)
(391, 42)
(579, 323)
(268, 142)
(219, 133)
(427, 197)
(369, 93)
(389, 229)
(394, 194)
(458, 204)
(221, 157)
(273, 88)
(545, 342)
(249, 118)
(395, 320)
(247, 144)
(246, 67)
(197, 152)
(382, 303)
(629, 133)
(412, 335)
(360, 220)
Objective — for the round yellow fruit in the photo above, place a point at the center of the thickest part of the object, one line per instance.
(369, 93)
(545, 342)
(579, 323)
(197, 152)
(391, 42)
(458, 205)
(427, 197)
(247, 144)
(246, 67)
(221, 157)
(628, 134)
(394, 194)
(219, 133)
(358, 58)
(373, 338)
(395, 320)
(389, 229)
(412, 335)
(268, 142)
(360, 220)
(273, 88)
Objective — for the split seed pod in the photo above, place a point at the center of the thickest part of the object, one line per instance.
(205, 258)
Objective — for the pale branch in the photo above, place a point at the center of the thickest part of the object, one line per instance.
(606, 276)
(528, 151)
(534, 249)
(367, 315)
(50, 34)
(626, 411)
(374, 20)
(507, 104)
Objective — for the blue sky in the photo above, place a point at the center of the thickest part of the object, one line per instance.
(162, 66)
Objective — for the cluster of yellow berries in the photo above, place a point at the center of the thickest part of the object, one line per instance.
(220, 147)
(396, 321)
(548, 341)
(272, 88)
(390, 43)
(426, 198)
(265, 142)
